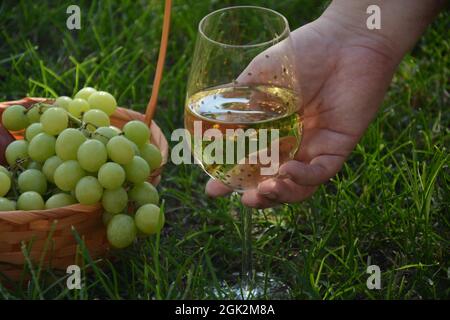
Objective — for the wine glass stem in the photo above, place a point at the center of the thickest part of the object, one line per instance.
(247, 261)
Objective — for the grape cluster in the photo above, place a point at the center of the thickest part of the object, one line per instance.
(71, 154)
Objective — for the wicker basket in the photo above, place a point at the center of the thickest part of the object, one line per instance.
(18, 228)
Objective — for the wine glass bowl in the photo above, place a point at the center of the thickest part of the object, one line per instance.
(233, 84)
(233, 41)
(243, 114)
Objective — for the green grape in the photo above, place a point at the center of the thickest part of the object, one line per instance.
(5, 184)
(68, 174)
(111, 176)
(16, 151)
(63, 102)
(42, 147)
(121, 231)
(30, 200)
(5, 171)
(34, 165)
(32, 180)
(54, 121)
(103, 134)
(14, 118)
(6, 205)
(33, 130)
(116, 129)
(60, 200)
(34, 115)
(92, 155)
(68, 143)
(77, 107)
(120, 150)
(144, 193)
(95, 118)
(149, 219)
(152, 155)
(103, 101)
(49, 167)
(106, 217)
(88, 190)
(137, 131)
(135, 148)
(115, 201)
(137, 170)
(85, 93)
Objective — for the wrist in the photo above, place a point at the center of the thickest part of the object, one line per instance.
(349, 27)
(401, 24)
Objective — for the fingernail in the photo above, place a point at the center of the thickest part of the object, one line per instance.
(269, 195)
(266, 194)
(284, 176)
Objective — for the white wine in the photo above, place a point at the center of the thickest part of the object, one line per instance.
(250, 108)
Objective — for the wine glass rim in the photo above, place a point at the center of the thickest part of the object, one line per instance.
(273, 40)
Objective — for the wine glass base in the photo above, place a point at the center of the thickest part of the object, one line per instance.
(262, 287)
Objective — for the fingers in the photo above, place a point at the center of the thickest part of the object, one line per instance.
(250, 198)
(303, 180)
(253, 199)
(301, 183)
(216, 188)
(319, 141)
(318, 171)
(267, 67)
(274, 192)
(284, 191)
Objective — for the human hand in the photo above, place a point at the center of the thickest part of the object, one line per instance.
(343, 70)
(343, 78)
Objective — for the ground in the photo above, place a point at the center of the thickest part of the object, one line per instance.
(388, 206)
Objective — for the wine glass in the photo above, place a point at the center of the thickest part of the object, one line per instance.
(239, 111)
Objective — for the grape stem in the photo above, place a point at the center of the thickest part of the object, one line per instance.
(101, 135)
(41, 105)
(15, 174)
(90, 124)
(75, 120)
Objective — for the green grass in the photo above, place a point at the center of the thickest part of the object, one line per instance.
(388, 206)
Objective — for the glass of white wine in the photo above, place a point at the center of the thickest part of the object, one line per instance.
(243, 77)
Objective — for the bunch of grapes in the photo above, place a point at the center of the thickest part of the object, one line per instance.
(71, 154)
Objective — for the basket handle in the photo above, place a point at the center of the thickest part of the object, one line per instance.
(151, 106)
